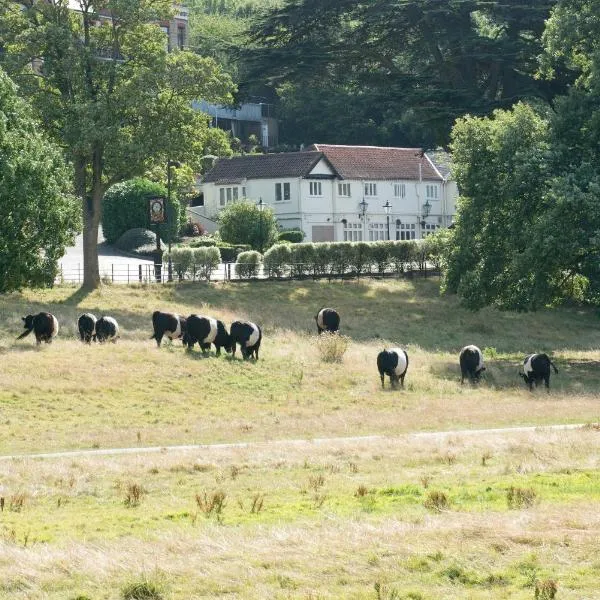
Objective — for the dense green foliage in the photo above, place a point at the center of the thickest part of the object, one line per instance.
(109, 91)
(125, 207)
(248, 264)
(39, 215)
(291, 235)
(395, 73)
(528, 229)
(195, 263)
(244, 223)
(138, 241)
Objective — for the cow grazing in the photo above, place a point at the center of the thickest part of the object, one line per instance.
(206, 331)
(44, 325)
(248, 335)
(107, 329)
(327, 319)
(87, 327)
(393, 363)
(536, 367)
(169, 324)
(471, 363)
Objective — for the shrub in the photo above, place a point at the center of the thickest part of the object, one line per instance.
(142, 590)
(340, 255)
(244, 223)
(203, 242)
(182, 259)
(402, 255)
(230, 253)
(205, 261)
(138, 241)
(545, 589)
(360, 257)
(436, 501)
(277, 259)
(192, 229)
(247, 264)
(295, 236)
(133, 494)
(125, 206)
(517, 497)
(303, 259)
(332, 346)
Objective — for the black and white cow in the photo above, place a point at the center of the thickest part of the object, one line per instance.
(87, 327)
(169, 324)
(248, 335)
(471, 363)
(206, 331)
(327, 319)
(394, 363)
(107, 329)
(536, 368)
(44, 325)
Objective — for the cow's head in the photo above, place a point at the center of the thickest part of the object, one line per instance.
(228, 345)
(28, 322)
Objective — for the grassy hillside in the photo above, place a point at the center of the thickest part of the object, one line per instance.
(458, 516)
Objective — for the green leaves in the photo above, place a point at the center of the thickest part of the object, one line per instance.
(244, 223)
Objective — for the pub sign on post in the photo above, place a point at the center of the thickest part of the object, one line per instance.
(158, 210)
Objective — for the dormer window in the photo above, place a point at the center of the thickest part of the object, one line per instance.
(315, 188)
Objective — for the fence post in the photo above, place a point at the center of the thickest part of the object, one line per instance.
(112, 272)
(127, 272)
(140, 272)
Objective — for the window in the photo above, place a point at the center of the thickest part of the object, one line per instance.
(376, 232)
(180, 37)
(428, 229)
(431, 192)
(370, 189)
(227, 195)
(315, 188)
(399, 190)
(352, 232)
(282, 192)
(406, 231)
(344, 189)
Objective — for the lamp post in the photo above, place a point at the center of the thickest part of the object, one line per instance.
(388, 208)
(170, 163)
(362, 215)
(261, 207)
(426, 211)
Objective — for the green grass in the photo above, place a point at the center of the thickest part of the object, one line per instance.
(337, 519)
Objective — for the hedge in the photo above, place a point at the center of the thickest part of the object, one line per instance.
(194, 263)
(277, 260)
(291, 235)
(247, 264)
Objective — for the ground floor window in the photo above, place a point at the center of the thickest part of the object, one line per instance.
(428, 229)
(353, 232)
(227, 195)
(406, 231)
(376, 232)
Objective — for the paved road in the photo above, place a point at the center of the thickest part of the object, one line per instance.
(426, 435)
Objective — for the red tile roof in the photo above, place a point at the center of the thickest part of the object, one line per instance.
(378, 162)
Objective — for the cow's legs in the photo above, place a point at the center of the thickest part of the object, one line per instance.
(158, 337)
(402, 380)
(218, 352)
(547, 382)
(382, 375)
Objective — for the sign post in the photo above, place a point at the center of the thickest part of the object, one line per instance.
(158, 214)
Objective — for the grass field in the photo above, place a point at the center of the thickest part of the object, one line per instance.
(401, 517)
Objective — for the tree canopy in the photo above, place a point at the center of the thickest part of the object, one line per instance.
(40, 216)
(243, 223)
(108, 90)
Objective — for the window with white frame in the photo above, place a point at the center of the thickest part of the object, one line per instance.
(399, 190)
(352, 232)
(370, 189)
(344, 189)
(432, 192)
(428, 229)
(227, 195)
(315, 188)
(406, 231)
(376, 232)
(282, 192)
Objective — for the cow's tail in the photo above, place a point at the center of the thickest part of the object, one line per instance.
(24, 334)
(554, 367)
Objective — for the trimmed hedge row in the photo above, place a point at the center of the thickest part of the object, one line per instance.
(339, 258)
(194, 263)
(229, 252)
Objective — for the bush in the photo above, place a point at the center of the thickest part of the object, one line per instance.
(244, 223)
(142, 590)
(303, 259)
(125, 206)
(203, 242)
(295, 236)
(402, 255)
(195, 263)
(517, 497)
(437, 501)
(332, 346)
(277, 260)
(138, 241)
(381, 255)
(230, 253)
(192, 229)
(360, 257)
(182, 259)
(247, 264)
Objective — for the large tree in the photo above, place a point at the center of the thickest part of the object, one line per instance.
(39, 215)
(107, 88)
(394, 64)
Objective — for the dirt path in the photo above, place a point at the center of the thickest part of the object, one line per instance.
(426, 435)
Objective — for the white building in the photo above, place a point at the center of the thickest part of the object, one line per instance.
(337, 193)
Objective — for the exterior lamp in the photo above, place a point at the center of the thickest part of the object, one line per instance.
(363, 209)
(426, 211)
(176, 164)
(388, 208)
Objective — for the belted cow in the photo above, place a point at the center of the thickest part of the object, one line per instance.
(393, 363)
(107, 329)
(44, 325)
(327, 319)
(248, 335)
(536, 368)
(170, 324)
(87, 327)
(206, 331)
(471, 363)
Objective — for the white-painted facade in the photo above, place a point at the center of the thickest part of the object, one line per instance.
(328, 208)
